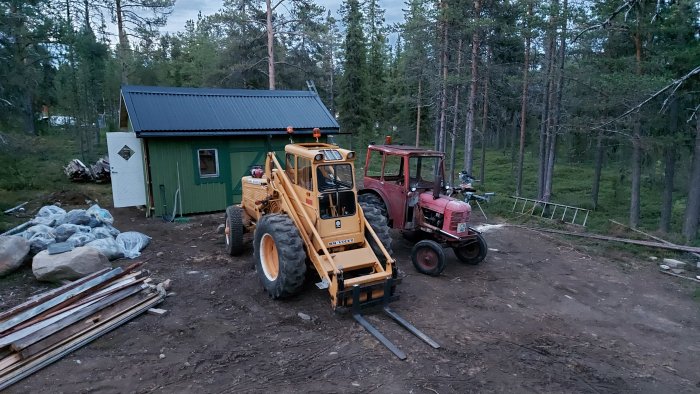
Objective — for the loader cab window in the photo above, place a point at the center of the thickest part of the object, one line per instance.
(336, 195)
(305, 173)
(289, 167)
(423, 171)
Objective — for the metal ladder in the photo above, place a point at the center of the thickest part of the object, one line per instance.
(548, 210)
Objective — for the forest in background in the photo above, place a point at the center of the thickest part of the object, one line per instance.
(608, 85)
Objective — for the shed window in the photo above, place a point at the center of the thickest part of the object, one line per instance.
(208, 163)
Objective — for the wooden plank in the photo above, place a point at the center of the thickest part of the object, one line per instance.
(78, 328)
(650, 244)
(30, 313)
(74, 317)
(43, 297)
(70, 304)
(9, 361)
(44, 359)
(679, 276)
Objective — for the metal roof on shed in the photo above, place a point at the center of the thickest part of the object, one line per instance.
(173, 111)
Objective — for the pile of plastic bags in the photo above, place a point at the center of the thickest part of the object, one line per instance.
(92, 227)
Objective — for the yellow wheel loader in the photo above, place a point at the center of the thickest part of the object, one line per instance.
(306, 215)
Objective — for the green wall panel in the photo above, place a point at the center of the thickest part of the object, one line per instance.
(236, 156)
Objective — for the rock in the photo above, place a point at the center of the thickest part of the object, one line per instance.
(653, 258)
(70, 265)
(13, 252)
(304, 316)
(161, 356)
(677, 270)
(160, 254)
(673, 263)
(664, 267)
(221, 229)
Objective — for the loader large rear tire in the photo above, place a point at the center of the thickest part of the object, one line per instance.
(234, 230)
(280, 260)
(377, 220)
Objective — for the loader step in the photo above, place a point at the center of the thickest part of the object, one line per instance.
(350, 260)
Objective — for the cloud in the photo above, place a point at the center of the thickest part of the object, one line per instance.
(185, 10)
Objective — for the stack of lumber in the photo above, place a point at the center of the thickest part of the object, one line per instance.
(51, 325)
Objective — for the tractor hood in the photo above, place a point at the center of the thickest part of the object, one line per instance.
(444, 204)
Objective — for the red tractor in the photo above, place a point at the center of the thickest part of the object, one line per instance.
(406, 184)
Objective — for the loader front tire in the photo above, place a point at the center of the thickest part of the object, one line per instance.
(280, 260)
(234, 230)
(377, 220)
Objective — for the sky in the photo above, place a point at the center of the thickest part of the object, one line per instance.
(188, 9)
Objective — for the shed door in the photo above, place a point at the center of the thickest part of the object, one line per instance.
(126, 166)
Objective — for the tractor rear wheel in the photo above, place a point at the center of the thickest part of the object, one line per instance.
(280, 260)
(428, 257)
(378, 222)
(373, 199)
(473, 253)
(234, 230)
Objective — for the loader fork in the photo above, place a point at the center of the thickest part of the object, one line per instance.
(357, 315)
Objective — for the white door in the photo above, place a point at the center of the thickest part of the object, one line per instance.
(126, 165)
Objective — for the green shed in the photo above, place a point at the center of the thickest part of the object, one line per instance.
(191, 146)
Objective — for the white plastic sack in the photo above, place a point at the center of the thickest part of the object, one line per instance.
(65, 231)
(102, 232)
(37, 229)
(102, 215)
(80, 239)
(76, 216)
(40, 241)
(133, 243)
(108, 247)
(49, 210)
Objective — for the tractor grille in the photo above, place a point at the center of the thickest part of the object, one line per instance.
(457, 218)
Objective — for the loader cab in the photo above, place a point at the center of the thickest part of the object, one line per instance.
(324, 180)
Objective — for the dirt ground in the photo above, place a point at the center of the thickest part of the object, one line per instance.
(537, 316)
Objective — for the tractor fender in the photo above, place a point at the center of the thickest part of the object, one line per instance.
(379, 193)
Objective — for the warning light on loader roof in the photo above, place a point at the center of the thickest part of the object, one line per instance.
(387, 140)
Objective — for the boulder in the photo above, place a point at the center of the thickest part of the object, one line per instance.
(13, 252)
(71, 265)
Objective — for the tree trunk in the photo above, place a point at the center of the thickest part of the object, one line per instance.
(598, 169)
(28, 114)
(270, 46)
(471, 102)
(692, 209)
(555, 120)
(123, 43)
(440, 141)
(545, 115)
(485, 119)
(523, 108)
(667, 197)
(453, 136)
(418, 108)
(636, 147)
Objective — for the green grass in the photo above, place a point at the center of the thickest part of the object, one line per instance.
(32, 168)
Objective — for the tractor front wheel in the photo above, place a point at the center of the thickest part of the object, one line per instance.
(473, 253)
(428, 257)
(234, 230)
(280, 260)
